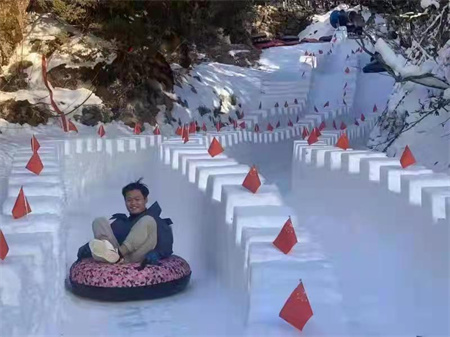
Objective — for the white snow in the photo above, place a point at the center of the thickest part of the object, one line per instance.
(356, 237)
(427, 3)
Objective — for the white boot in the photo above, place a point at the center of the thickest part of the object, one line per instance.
(103, 251)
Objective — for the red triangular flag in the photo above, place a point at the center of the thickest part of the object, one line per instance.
(21, 207)
(278, 125)
(192, 127)
(356, 122)
(315, 109)
(156, 130)
(326, 104)
(334, 40)
(347, 70)
(251, 181)
(286, 239)
(204, 127)
(322, 126)
(242, 125)
(185, 134)
(101, 131)
(256, 128)
(269, 127)
(276, 105)
(343, 142)
(343, 126)
(295, 101)
(35, 164)
(334, 125)
(290, 123)
(215, 148)
(407, 158)
(375, 109)
(137, 129)
(305, 133)
(179, 131)
(260, 105)
(313, 137)
(218, 126)
(317, 132)
(4, 249)
(34, 144)
(297, 309)
(363, 118)
(72, 127)
(286, 104)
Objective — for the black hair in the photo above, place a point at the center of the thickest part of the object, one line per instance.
(137, 185)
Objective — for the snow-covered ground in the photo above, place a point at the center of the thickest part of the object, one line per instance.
(87, 174)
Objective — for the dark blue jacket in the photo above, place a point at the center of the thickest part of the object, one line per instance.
(122, 225)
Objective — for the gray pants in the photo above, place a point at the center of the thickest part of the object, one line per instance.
(141, 239)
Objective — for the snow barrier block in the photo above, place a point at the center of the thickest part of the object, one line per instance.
(316, 155)
(194, 164)
(175, 153)
(183, 158)
(166, 149)
(412, 185)
(390, 176)
(434, 200)
(205, 172)
(38, 204)
(48, 163)
(351, 159)
(29, 177)
(333, 160)
(371, 167)
(233, 196)
(258, 217)
(216, 183)
(36, 189)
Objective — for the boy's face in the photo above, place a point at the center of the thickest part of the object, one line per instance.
(135, 202)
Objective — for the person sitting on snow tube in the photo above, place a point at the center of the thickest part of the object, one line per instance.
(142, 237)
(131, 258)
